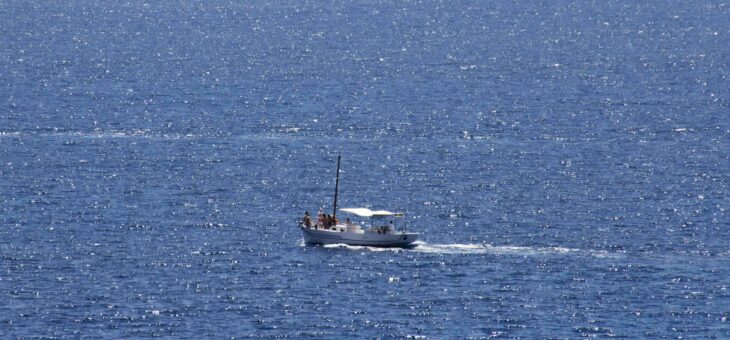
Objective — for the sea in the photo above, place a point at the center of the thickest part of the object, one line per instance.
(566, 164)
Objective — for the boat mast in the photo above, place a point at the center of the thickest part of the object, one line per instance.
(337, 184)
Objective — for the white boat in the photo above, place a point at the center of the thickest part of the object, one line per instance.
(377, 234)
(381, 231)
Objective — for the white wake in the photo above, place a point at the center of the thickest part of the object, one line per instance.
(475, 248)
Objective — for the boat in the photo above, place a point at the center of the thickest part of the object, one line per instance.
(380, 231)
(376, 234)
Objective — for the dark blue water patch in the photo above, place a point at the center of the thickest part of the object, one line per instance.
(564, 163)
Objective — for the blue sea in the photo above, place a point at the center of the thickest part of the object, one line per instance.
(566, 163)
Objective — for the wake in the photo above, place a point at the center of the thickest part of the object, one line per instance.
(474, 248)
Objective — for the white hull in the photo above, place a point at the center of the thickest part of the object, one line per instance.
(358, 237)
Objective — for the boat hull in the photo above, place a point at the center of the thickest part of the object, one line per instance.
(324, 236)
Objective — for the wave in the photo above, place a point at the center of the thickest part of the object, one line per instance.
(287, 134)
(100, 134)
(9, 133)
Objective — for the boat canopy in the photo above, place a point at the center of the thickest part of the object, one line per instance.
(365, 212)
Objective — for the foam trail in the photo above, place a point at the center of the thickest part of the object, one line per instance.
(458, 248)
(474, 248)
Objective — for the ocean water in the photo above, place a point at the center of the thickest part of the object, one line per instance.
(565, 162)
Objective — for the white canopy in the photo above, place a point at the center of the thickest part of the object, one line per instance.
(365, 212)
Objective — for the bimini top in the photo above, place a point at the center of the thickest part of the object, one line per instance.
(365, 212)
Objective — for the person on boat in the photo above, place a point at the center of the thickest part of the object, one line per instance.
(321, 221)
(307, 220)
(347, 222)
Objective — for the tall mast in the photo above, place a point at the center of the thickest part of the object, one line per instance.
(337, 185)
